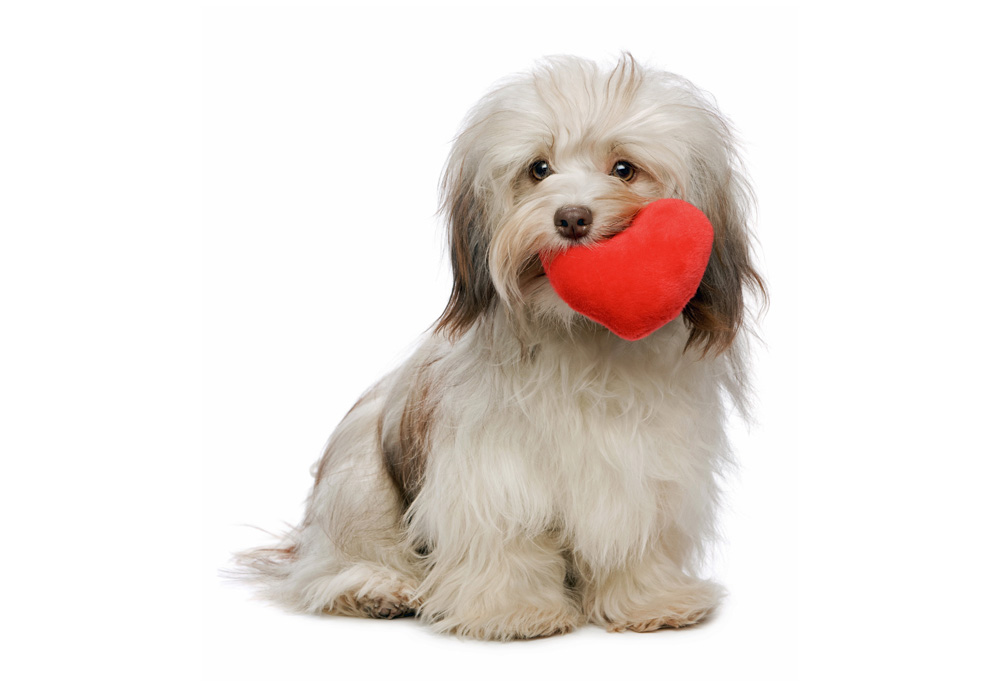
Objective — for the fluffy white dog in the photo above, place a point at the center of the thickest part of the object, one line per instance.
(527, 470)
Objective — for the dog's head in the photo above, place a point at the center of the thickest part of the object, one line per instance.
(570, 153)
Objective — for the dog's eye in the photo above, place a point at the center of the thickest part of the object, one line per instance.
(623, 170)
(540, 169)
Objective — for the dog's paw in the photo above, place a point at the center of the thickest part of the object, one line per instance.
(386, 607)
(673, 618)
(518, 621)
(387, 595)
(380, 593)
(527, 623)
(673, 609)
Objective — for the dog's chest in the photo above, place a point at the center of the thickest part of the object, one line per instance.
(608, 446)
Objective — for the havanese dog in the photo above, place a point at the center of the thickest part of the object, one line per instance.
(526, 470)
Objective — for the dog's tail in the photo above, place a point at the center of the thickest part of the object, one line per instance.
(266, 568)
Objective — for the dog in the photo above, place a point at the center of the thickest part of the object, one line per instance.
(527, 471)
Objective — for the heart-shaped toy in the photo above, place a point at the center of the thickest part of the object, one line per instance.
(641, 278)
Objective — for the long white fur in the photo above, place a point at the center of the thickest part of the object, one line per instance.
(570, 476)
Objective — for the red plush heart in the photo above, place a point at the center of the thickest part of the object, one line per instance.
(641, 278)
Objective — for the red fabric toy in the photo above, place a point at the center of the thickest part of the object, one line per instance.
(640, 279)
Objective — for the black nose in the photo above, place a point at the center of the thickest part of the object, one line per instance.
(573, 221)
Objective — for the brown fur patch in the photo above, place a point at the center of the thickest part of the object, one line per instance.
(715, 314)
(404, 452)
(472, 291)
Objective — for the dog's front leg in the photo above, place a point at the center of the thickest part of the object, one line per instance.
(648, 594)
(499, 587)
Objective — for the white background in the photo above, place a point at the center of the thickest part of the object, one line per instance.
(219, 230)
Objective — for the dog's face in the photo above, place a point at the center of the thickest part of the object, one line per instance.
(569, 154)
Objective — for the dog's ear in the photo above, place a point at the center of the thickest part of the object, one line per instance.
(472, 291)
(716, 312)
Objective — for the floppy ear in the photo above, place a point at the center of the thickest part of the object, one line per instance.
(472, 292)
(716, 312)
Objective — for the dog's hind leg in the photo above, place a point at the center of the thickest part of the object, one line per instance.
(349, 556)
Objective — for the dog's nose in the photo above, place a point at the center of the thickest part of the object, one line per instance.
(573, 221)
